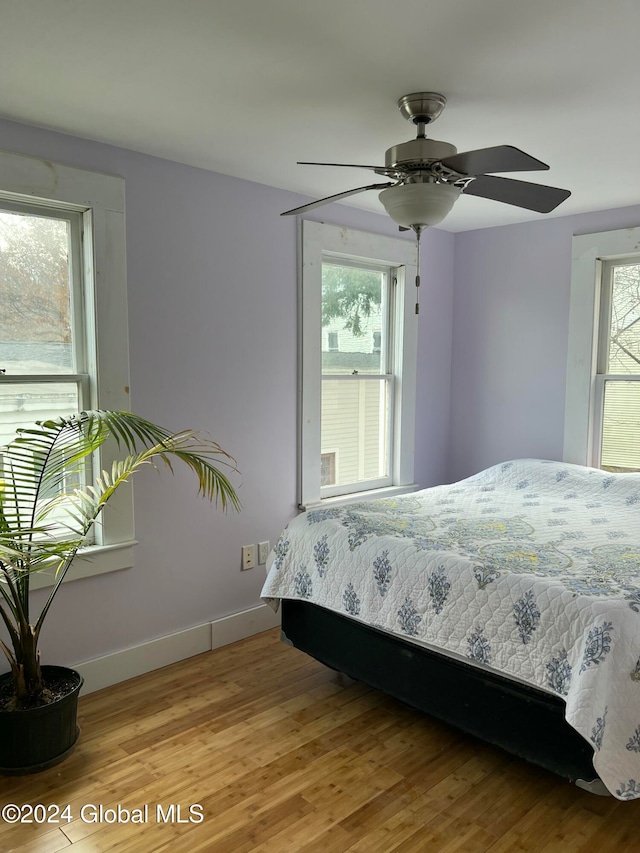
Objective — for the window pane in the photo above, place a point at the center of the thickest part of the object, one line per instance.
(23, 404)
(624, 346)
(354, 325)
(621, 427)
(35, 295)
(354, 430)
(328, 469)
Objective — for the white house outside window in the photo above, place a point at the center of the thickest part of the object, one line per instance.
(63, 315)
(357, 401)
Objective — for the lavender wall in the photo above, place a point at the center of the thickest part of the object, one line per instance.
(212, 318)
(433, 423)
(510, 335)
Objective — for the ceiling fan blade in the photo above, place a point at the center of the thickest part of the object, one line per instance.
(501, 158)
(335, 197)
(380, 170)
(536, 197)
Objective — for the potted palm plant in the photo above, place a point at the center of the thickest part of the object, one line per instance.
(48, 507)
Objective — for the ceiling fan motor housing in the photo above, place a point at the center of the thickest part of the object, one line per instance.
(420, 200)
(418, 151)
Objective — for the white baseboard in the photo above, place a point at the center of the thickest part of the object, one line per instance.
(128, 663)
(244, 624)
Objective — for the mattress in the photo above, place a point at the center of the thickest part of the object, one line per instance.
(530, 568)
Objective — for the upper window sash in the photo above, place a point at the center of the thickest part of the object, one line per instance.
(386, 306)
(78, 285)
(609, 271)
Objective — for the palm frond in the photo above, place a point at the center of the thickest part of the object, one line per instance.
(43, 473)
(39, 459)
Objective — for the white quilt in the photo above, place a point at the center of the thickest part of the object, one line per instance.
(531, 568)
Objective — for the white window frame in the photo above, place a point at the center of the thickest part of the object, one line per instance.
(99, 199)
(315, 240)
(591, 254)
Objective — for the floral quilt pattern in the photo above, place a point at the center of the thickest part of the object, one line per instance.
(531, 568)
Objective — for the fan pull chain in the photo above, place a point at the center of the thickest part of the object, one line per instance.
(418, 232)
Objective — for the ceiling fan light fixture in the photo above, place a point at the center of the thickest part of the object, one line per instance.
(420, 204)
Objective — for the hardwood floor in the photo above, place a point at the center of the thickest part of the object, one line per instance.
(276, 753)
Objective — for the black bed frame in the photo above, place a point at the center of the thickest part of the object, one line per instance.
(525, 721)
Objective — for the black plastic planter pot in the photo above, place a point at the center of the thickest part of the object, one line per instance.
(35, 739)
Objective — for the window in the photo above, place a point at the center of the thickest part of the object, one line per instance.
(617, 390)
(357, 393)
(358, 401)
(333, 344)
(602, 423)
(328, 469)
(63, 309)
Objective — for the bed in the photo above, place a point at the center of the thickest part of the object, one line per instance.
(507, 604)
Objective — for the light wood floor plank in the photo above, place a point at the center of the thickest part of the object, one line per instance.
(284, 754)
(49, 842)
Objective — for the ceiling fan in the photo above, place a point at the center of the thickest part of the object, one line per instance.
(429, 176)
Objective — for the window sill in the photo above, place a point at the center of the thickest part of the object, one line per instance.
(358, 497)
(95, 560)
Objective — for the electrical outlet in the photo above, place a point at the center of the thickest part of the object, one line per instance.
(263, 552)
(248, 557)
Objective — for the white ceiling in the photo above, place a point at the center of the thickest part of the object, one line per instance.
(247, 87)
